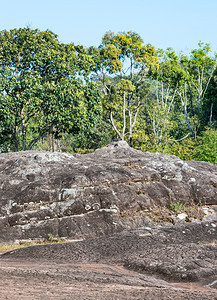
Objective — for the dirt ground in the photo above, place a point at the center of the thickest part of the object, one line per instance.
(89, 281)
(155, 262)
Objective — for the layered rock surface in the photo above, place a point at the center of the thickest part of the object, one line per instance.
(157, 262)
(80, 196)
(115, 200)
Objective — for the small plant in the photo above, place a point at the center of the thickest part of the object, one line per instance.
(177, 206)
(83, 151)
(50, 237)
(54, 239)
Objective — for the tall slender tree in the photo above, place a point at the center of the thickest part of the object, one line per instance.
(122, 62)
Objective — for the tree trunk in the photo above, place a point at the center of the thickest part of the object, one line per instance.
(24, 136)
(183, 102)
(115, 128)
(130, 129)
(210, 116)
(15, 139)
(53, 142)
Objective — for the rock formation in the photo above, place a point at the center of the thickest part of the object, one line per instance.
(147, 225)
(83, 196)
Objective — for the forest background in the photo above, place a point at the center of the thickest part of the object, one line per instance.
(67, 97)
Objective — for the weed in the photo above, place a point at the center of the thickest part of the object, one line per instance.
(177, 206)
(54, 239)
(50, 237)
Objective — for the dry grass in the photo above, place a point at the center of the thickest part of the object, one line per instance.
(7, 247)
(214, 244)
(167, 214)
(22, 244)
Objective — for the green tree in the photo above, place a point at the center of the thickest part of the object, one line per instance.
(199, 67)
(122, 62)
(162, 110)
(210, 105)
(42, 86)
(186, 80)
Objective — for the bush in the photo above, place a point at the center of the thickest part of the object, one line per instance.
(206, 149)
(184, 149)
(203, 149)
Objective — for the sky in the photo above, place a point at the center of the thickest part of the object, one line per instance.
(162, 23)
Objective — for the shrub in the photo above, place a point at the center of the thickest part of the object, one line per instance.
(206, 148)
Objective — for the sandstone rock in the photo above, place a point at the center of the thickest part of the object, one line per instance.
(80, 196)
(175, 253)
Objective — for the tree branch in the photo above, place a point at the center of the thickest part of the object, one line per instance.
(115, 128)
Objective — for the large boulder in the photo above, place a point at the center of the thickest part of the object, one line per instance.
(80, 196)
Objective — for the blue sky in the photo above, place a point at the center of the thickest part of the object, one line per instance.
(163, 23)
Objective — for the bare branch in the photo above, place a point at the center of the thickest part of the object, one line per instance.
(181, 138)
(210, 116)
(115, 128)
(124, 115)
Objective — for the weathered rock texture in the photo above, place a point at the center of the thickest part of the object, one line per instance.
(112, 199)
(81, 196)
(158, 262)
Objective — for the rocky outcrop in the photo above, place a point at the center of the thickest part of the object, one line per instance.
(80, 196)
(175, 261)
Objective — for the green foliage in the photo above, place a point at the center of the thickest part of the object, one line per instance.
(188, 78)
(206, 149)
(83, 151)
(145, 142)
(184, 149)
(85, 141)
(177, 206)
(41, 87)
(122, 62)
(56, 96)
(50, 237)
